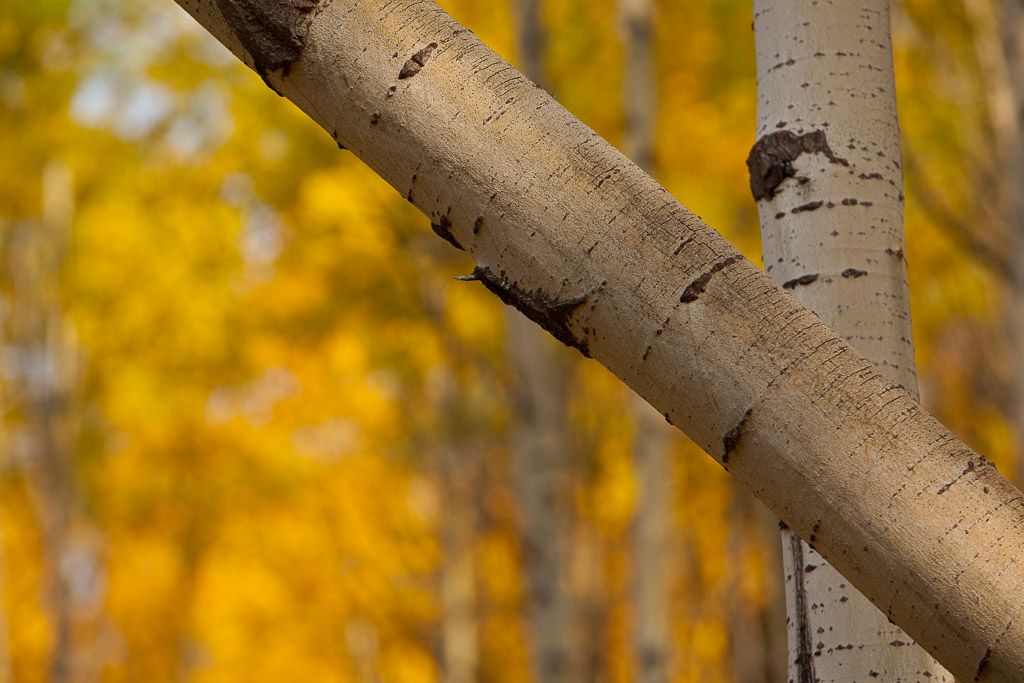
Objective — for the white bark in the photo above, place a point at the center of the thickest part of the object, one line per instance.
(832, 232)
(580, 239)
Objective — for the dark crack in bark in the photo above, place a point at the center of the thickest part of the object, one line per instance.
(697, 287)
(413, 65)
(983, 663)
(805, 650)
(550, 313)
(731, 440)
(443, 230)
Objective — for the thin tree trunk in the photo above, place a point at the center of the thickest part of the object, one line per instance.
(1012, 146)
(541, 444)
(6, 670)
(458, 583)
(650, 587)
(832, 232)
(73, 578)
(577, 237)
(999, 47)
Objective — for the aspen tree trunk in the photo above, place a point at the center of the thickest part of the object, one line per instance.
(457, 461)
(999, 47)
(541, 444)
(832, 233)
(650, 549)
(6, 672)
(1010, 141)
(458, 583)
(586, 244)
(6, 453)
(1012, 147)
(73, 578)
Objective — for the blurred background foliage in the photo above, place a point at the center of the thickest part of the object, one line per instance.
(239, 382)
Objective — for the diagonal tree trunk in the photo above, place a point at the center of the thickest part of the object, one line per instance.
(832, 232)
(540, 443)
(577, 237)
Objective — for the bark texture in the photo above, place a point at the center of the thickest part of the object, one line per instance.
(572, 231)
(832, 232)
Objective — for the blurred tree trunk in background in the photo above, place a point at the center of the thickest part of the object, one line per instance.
(1011, 144)
(460, 468)
(541, 445)
(651, 533)
(826, 173)
(998, 42)
(74, 581)
(6, 673)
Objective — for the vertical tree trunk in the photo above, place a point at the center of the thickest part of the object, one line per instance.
(826, 174)
(6, 672)
(540, 443)
(650, 585)
(999, 48)
(459, 470)
(1010, 141)
(73, 576)
(458, 583)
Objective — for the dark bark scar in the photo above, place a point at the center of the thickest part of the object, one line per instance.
(802, 280)
(443, 230)
(550, 313)
(413, 65)
(273, 33)
(983, 663)
(697, 287)
(771, 158)
(732, 437)
(853, 273)
(805, 651)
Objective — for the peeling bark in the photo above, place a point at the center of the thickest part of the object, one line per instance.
(831, 441)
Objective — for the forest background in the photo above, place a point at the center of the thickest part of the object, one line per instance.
(253, 428)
